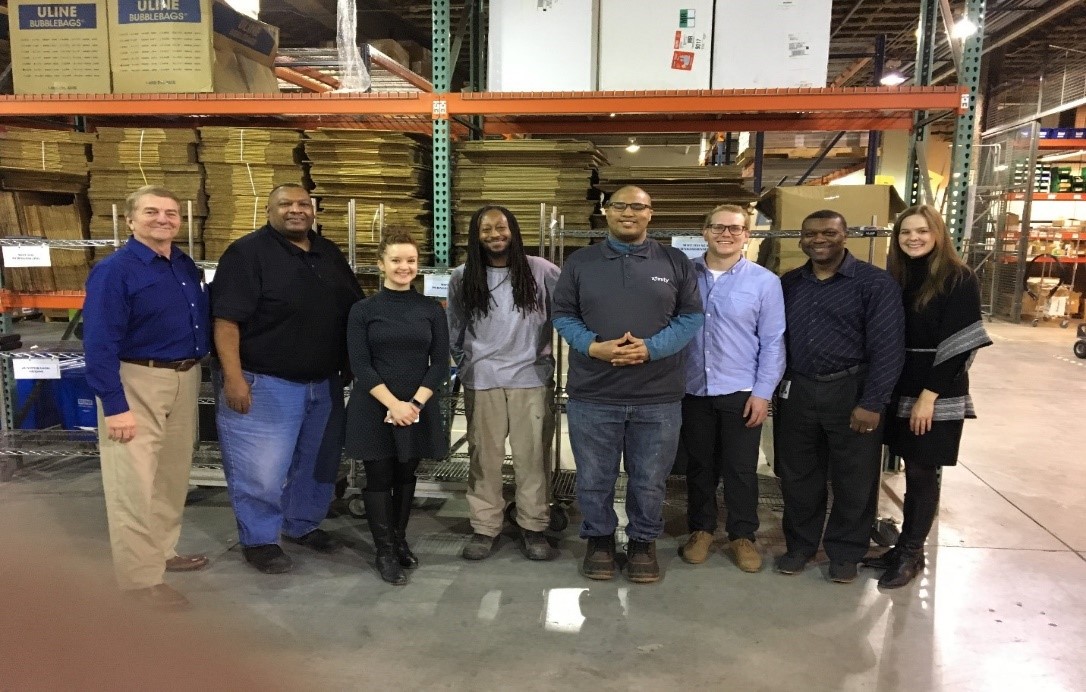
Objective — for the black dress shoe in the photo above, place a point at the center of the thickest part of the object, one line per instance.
(909, 563)
(269, 559)
(884, 561)
(319, 540)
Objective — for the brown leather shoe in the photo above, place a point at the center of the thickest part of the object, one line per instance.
(160, 596)
(186, 563)
(746, 554)
(641, 564)
(696, 549)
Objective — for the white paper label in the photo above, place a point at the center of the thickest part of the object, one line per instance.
(436, 285)
(35, 368)
(27, 256)
(692, 245)
(209, 275)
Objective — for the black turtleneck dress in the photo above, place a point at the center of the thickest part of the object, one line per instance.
(940, 341)
(399, 339)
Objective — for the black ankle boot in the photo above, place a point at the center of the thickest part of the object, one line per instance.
(402, 497)
(884, 561)
(378, 513)
(908, 563)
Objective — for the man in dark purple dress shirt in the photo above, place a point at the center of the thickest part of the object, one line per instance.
(846, 348)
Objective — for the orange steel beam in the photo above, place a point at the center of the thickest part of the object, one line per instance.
(382, 103)
(1068, 144)
(304, 81)
(707, 101)
(738, 123)
(63, 300)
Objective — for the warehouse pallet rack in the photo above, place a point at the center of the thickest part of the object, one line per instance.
(475, 114)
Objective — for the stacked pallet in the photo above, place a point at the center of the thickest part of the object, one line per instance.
(806, 146)
(522, 174)
(372, 168)
(242, 165)
(127, 158)
(681, 195)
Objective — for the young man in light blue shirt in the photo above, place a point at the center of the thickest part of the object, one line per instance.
(733, 365)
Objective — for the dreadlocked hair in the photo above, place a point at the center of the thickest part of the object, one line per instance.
(476, 291)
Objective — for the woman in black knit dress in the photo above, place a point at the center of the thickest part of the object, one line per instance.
(943, 330)
(398, 342)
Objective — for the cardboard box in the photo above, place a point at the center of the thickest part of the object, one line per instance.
(245, 51)
(161, 46)
(656, 44)
(861, 205)
(792, 40)
(421, 59)
(59, 48)
(393, 50)
(542, 45)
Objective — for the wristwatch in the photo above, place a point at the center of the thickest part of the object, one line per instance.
(416, 403)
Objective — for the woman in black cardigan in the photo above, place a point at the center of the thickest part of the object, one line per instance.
(943, 330)
(398, 342)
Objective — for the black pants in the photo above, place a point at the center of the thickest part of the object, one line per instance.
(813, 442)
(921, 503)
(719, 446)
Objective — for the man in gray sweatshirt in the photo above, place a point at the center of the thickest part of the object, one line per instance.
(500, 330)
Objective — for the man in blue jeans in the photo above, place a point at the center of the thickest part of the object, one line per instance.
(280, 301)
(627, 307)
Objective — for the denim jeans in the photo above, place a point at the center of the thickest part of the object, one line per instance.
(282, 457)
(646, 437)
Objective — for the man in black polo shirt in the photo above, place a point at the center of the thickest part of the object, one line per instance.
(627, 307)
(846, 348)
(280, 301)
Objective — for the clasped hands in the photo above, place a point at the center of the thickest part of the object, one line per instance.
(402, 413)
(625, 350)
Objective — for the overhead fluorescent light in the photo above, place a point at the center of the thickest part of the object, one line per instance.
(963, 29)
(892, 79)
(633, 147)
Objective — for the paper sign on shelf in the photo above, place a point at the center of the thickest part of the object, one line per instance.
(436, 285)
(692, 245)
(209, 275)
(27, 256)
(35, 368)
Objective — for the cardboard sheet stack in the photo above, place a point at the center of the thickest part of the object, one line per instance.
(31, 214)
(681, 195)
(242, 165)
(521, 174)
(126, 158)
(44, 160)
(373, 168)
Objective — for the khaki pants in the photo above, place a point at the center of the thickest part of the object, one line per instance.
(525, 417)
(146, 480)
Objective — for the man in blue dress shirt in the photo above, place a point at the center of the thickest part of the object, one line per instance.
(846, 348)
(146, 331)
(733, 365)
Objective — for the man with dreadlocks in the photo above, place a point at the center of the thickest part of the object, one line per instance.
(500, 332)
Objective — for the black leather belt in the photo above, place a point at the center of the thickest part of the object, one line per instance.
(834, 376)
(178, 365)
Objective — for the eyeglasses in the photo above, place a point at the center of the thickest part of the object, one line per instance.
(718, 228)
(623, 206)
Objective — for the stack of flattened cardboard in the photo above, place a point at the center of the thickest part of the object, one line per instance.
(43, 215)
(681, 195)
(242, 166)
(372, 168)
(127, 158)
(44, 160)
(522, 174)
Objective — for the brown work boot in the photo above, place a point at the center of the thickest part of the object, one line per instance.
(641, 565)
(746, 554)
(696, 549)
(159, 596)
(599, 559)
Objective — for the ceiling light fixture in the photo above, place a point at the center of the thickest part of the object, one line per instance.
(633, 147)
(892, 79)
(963, 29)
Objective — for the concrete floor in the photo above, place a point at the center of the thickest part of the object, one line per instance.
(1002, 604)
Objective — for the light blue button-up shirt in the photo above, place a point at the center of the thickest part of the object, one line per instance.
(741, 345)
